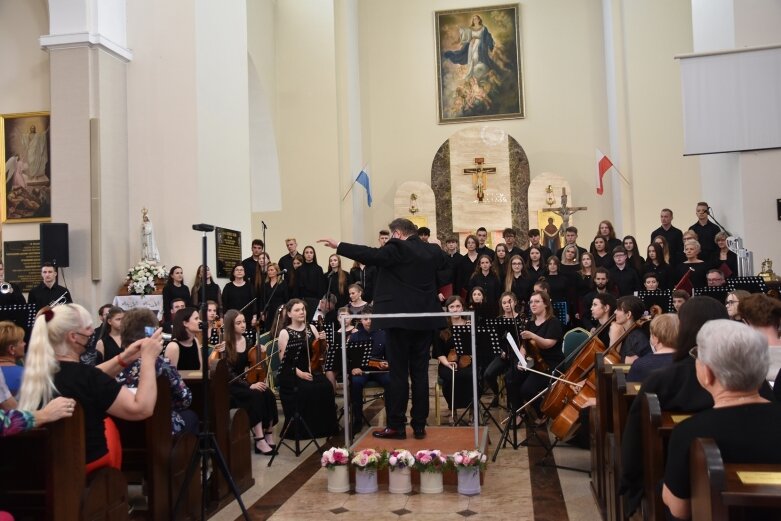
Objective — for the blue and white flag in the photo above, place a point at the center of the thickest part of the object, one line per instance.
(363, 180)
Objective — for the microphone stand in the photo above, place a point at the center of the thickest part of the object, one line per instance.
(263, 228)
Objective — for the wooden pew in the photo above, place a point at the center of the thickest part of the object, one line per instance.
(231, 431)
(718, 494)
(622, 395)
(150, 450)
(43, 476)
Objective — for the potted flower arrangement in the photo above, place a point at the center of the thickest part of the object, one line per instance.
(366, 463)
(335, 460)
(468, 464)
(399, 461)
(141, 278)
(430, 464)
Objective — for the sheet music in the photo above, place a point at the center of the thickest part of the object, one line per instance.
(514, 346)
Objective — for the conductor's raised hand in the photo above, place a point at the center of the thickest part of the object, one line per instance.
(331, 243)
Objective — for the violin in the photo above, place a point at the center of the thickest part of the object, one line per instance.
(215, 354)
(532, 349)
(461, 361)
(319, 347)
(377, 364)
(259, 358)
(567, 422)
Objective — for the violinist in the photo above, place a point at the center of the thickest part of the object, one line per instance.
(455, 358)
(502, 364)
(377, 371)
(257, 399)
(310, 395)
(628, 310)
(333, 358)
(545, 334)
(214, 334)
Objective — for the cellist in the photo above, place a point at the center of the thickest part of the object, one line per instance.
(636, 344)
(544, 333)
(257, 399)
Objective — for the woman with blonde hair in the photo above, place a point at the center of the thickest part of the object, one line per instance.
(58, 337)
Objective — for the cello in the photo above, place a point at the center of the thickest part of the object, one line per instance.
(566, 423)
(319, 348)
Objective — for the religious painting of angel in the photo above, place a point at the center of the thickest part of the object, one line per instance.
(479, 73)
(24, 147)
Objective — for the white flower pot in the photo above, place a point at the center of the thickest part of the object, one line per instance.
(469, 481)
(431, 483)
(399, 481)
(338, 479)
(365, 481)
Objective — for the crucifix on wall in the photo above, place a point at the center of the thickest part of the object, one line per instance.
(566, 211)
(479, 177)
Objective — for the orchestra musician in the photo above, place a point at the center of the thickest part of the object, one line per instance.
(502, 364)
(182, 350)
(256, 398)
(453, 369)
(628, 310)
(376, 370)
(311, 395)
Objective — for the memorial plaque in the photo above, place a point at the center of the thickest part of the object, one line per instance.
(22, 261)
(228, 251)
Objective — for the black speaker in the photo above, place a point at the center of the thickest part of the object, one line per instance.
(54, 244)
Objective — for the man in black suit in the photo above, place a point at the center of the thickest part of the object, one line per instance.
(406, 283)
(48, 290)
(672, 235)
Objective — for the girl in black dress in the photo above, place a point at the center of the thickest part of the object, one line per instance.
(449, 371)
(110, 340)
(655, 263)
(517, 281)
(175, 288)
(486, 278)
(311, 395)
(214, 332)
(602, 258)
(213, 291)
(691, 250)
(336, 282)
(724, 259)
(292, 276)
(585, 279)
(466, 266)
(608, 233)
(183, 351)
(275, 291)
(634, 260)
(500, 261)
(661, 241)
(238, 293)
(257, 399)
(559, 283)
(365, 276)
(311, 280)
(536, 266)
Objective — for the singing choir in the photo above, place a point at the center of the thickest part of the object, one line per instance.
(528, 297)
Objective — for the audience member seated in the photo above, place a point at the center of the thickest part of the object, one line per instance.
(732, 302)
(763, 313)
(135, 325)
(12, 355)
(731, 364)
(58, 337)
(664, 336)
(13, 421)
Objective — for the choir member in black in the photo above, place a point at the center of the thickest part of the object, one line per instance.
(485, 278)
(238, 293)
(275, 291)
(499, 264)
(311, 280)
(602, 257)
(625, 279)
(478, 304)
(608, 233)
(628, 310)
(364, 275)
(569, 264)
(176, 305)
(444, 347)
(256, 398)
(15, 296)
(356, 303)
(449, 275)
(482, 248)
(655, 263)
(534, 242)
(706, 230)
(584, 284)
(671, 260)
(651, 282)
(724, 259)
(215, 330)
(603, 305)
(183, 350)
(176, 288)
(110, 339)
(731, 361)
(251, 263)
(517, 280)
(634, 259)
(466, 266)
(545, 330)
(336, 282)
(671, 235)
(259, 278)
(664, 335)
(286, 261)
(679, 298)
(213, 291)
(48, 290)
(501, 364)
(291, 277)
(699, 268)
(311, 395)
(560, 284)
(510, 236)
(359, 376)
(535, 264)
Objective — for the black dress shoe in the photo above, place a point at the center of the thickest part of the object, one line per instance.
(419, 433)
(390, 434)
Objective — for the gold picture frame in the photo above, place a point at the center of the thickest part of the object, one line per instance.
(479, 66)
(26, 187)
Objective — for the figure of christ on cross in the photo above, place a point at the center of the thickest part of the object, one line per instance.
(565, 211)
(479, 179)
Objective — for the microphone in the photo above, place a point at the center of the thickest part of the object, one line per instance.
(203, 227)
(708, 211)
(284, 271)
(263, 223)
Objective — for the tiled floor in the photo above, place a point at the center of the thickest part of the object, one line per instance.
(295, 489)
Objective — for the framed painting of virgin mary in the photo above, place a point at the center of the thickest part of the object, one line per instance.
(479, 69)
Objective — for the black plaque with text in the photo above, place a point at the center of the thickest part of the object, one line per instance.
(23, 263)
(227, 250)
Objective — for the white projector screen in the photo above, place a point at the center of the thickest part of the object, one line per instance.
(731, 100)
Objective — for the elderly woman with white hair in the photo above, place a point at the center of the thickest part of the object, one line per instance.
(731, 363)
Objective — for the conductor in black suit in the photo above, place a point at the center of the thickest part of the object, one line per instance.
(406, 283)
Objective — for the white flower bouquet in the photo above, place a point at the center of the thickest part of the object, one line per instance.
(141, 278)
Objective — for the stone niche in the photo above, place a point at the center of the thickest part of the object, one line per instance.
(459, 210)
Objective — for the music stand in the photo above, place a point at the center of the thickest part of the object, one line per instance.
(661, 297)
(717, 292)
(750, 284)
(23, 315)
(513, 424)
(359, 355)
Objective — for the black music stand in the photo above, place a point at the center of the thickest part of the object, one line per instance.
(23, 315)
(513, 424)
(717, 292)
(661, 297)
(750, 284)
(359, 354)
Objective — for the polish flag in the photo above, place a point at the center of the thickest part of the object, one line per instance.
(603, 165)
